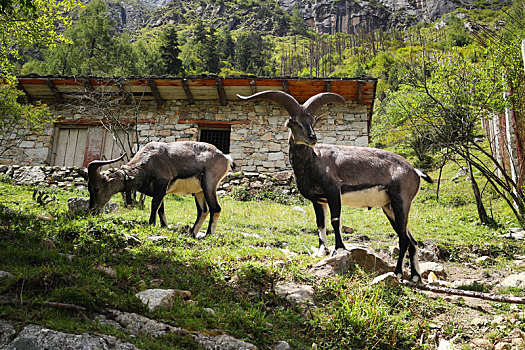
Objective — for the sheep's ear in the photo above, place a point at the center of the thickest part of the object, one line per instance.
(83, 172)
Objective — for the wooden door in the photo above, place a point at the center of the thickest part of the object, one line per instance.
(70, 147)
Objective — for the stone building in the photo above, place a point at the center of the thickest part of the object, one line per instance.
(99, 118)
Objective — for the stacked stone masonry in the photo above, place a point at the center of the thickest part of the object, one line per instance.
(258, 140)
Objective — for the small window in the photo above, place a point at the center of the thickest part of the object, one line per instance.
(217, 137)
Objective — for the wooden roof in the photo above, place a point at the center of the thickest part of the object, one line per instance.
(60, 89)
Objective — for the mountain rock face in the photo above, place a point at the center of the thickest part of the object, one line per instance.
(324, 16)
(350, 16)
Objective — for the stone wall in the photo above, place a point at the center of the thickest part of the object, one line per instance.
(258, 141)
(69, 178)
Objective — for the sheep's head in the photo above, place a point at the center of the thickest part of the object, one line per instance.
(302, 117)
(101, 187)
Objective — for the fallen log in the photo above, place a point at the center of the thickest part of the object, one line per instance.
(467, 293)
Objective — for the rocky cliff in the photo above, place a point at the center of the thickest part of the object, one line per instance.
(324, 16)
(351, 16)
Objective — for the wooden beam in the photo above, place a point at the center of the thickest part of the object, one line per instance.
(285, 86)
(213, 122)
(20, 87)
(155, 92)
(187, 91)
(57, 94)
(91, 122)
(222, 93)
(253, 85)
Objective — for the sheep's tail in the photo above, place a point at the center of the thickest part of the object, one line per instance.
(424, 176)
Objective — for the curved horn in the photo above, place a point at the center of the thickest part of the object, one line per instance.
(94, 165)
(287, 101)
(317, 101)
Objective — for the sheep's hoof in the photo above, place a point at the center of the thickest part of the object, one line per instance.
(415, 278)
(338, 250)
(200, 235)
(321, 252)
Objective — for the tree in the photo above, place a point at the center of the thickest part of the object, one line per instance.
(94, 48)
(449, 98)
(169, 51)
(30, 22)
(250, 53)
(209, 52)
(225, 45)
(22, 24)
(298, 25)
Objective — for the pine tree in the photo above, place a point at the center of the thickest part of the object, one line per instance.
(170, 52)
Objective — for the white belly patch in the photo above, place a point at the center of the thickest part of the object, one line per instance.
(369, 198)
(185, 186)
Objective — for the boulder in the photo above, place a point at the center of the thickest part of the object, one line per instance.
(81, 204)
(299, 293)
(426, 268)
(515, 281)
(362, 256)
(157, 298)
(35, 337)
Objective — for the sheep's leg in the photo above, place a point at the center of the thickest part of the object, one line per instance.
(210, 194)
(159, 192)
(334, 203)
(320, 216)
(162, 215)
(202, 213)
(397, 214)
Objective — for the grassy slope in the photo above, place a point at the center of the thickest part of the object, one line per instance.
(232, 272)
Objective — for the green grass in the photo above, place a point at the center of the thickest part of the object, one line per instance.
(257, 244)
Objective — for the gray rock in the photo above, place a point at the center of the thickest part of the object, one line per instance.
(388, 278)
(221, 342)
(3, 168)
(81, 204)
(30, 176)
(78, 204)
(135, 324)
(7, 332)
(362, 256)
(132, 240)
(209, 310)
(426, 267)
(282, 345)
(35, 337)
(5, 274)
(299, 293)
(517, 234)
(515, 281)
(157, 298)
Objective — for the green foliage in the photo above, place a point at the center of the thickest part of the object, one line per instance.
(94, 49)
(169, 51)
